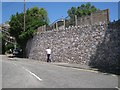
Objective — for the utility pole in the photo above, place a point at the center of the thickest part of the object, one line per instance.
(24, 13)
(76, 20)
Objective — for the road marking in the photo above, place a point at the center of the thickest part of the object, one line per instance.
(33, 74)
(117, 88)
(94, 71)
(86, 70)
(114, 75)
(80, 69)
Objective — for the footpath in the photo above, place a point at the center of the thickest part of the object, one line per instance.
(71, 65)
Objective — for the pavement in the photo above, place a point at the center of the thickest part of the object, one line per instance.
(71, 65)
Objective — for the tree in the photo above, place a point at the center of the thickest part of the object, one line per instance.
(2, 44)
(35, 18)
(82, 10)
(72, 12)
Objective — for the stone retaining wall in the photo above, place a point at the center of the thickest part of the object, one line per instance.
(108, 52)
(74, 45)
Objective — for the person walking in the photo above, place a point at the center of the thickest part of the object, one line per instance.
(48, 54)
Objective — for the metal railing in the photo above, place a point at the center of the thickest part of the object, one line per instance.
(63, 23)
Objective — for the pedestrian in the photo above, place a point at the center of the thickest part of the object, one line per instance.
(10, 51)
(48, 50)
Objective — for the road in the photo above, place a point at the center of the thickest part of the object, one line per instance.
(23, 73)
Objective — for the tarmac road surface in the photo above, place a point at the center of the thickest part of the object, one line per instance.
(25, 73)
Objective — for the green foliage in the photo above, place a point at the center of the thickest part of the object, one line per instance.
(72, 11)
(82, 10)
(0, 35)
(2, 44)
(8, 47)
(34, 18)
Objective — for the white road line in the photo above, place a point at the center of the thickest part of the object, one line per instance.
(87, 70)
(114, 75)
(92, 71)
(33, 74)
(117, 88)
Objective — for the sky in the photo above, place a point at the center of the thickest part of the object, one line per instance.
(56, 10)
(119, 10)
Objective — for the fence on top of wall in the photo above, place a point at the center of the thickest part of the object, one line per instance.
(100, 17)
